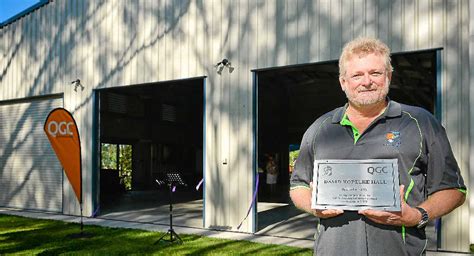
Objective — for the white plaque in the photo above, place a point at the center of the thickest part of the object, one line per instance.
(356, 184)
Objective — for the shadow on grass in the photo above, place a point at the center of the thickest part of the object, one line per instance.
(46, 237)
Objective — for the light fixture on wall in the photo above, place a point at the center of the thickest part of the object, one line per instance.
(223, 64)
(77, 83)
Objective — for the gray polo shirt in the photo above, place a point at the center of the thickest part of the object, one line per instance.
(426, 164)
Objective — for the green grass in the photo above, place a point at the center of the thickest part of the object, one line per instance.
(24, 236)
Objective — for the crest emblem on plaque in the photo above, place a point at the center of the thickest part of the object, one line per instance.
(327, 170)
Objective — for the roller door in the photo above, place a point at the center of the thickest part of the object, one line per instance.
(30, 174)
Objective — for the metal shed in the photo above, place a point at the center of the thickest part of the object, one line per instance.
(112, 44)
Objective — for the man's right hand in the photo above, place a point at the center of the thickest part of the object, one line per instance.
(328, 213)
(301, 197)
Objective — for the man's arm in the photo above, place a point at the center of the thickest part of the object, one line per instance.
(438, 204)
(443, 202)
(301, 197)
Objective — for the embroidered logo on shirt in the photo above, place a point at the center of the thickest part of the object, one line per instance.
(393, 139)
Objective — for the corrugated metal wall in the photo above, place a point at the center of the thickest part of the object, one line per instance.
(119, 43)
(470, 200)
(31, 176)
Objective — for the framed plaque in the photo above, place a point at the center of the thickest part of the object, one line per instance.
(356, 184)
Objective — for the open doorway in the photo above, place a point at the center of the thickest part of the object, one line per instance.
(291, 98)
(145, 132)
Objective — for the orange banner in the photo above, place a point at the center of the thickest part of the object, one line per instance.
(63, 135)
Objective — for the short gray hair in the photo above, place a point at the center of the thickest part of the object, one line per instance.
(363, 46)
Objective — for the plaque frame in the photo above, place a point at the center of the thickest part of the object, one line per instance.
(357, 200)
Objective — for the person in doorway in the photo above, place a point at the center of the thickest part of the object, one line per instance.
(272, 174)
(372, 126)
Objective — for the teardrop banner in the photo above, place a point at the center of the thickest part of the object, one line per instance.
(62, 132)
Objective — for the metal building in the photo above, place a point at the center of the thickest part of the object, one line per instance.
(170, 48)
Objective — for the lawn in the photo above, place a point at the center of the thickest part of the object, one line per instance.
(19, 235)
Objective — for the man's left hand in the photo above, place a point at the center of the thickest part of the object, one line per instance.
(408, 216)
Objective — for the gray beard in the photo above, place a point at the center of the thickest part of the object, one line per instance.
(366, 102)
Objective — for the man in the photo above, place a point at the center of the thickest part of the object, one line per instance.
(371, 126)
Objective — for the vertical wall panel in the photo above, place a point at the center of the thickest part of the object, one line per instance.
(384, 19)
(452, 105)
(160, 26)
(142, 47)
(470, 176)
(246, 120)
(232, 98)
(184, 62)
(262, 28)
(281, 31)
(170, 33)
(292, 21)
(359, 27)
(324, 29)
(12, 71)
(396, 25)
(424, 23)
(347, 21)
(62, 49)
(409, 24)
(16, 66)
(270, 37)
(463, 213)
(371, 17)
(41, 62)
(213, 208)
(224, 107)
(302, 39)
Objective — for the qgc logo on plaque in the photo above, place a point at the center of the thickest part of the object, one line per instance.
(356, 184)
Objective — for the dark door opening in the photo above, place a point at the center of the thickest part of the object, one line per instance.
(291, 98)
(145, 132)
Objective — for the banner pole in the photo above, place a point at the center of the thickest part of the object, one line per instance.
(82, 223)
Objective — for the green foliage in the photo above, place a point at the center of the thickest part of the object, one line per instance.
(293, 155)
(125, 170)
(109, 156)
(26, 236)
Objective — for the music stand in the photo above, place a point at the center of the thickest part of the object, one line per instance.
(172, 180)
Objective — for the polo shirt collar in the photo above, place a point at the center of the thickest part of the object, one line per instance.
(394, 109)
(339, 114)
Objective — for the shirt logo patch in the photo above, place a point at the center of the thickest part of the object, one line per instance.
(393, 139)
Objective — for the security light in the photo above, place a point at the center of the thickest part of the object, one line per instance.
(77, 83)
(222, 64)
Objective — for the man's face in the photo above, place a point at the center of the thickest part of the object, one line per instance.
(366, 80)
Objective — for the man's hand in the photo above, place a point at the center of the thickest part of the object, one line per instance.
(328, 213)
(302, 199)
(408, 216)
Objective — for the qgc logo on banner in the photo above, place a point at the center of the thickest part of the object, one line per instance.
(60, 129)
